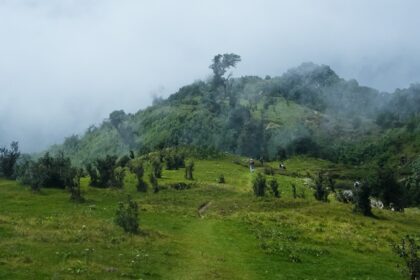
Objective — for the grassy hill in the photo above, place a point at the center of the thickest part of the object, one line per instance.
(44, 235)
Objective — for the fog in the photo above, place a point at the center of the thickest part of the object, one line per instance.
(65, 65)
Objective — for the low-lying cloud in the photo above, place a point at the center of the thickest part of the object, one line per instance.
(67, 64)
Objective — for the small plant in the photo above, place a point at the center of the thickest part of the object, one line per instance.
(321, 192)
(127, 216)
(136, 167)
(189, 168)
(73, 185)
(274, 186)
(157, 167)
(408, 250)
(361, 199)
(221, 179)
(154, 182)
(259, 185)
(119, 175)
(294, 194)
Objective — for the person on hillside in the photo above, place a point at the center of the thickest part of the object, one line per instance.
(262, 161)
(282, 166)
(251, 165)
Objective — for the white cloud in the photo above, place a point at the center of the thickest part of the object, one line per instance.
(67, 64)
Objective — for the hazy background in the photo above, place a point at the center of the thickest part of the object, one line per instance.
(66, 64)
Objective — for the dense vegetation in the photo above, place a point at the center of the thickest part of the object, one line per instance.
(308, 110)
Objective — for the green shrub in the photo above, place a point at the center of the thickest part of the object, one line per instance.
(8, 159)
(73, 185)
(259, 185)
(274, 186)
(157, 167)
(362, 199)
(126, 216)
(321, 191)
(221, 179)
(154, 182)
(189, 168)
(408, 250)
(119, 175)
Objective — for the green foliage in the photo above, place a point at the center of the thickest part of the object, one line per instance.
(73, 184)
(127, 215)
(409, 251)
(154, 182)
(274, 187)
(123, 161)
(386, 187)
(362, 199)
(220, 65)
(321, 190)
(8, 159)
(259, 185)
(221, 179)
(136, 167)
(294, 193)
(156, 167)
(105, 168)
(173, 159)
(119, 175)
(189, 168)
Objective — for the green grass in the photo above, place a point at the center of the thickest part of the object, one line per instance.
(45, 236)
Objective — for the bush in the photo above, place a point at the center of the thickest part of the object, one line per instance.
(47, 171)
(408, 250)
(274, 186)
(154, 182)
(123, 161)
(8, 159)
(189, 168)
(294, 194)
(136, 167)
(259, 185)
(119, 175)
(321, 192)
(221, 179)
(157, 167)
(73, 185)
(362, 200)
(386, 187)
(180, 186)
(105, 167)
(127, 216)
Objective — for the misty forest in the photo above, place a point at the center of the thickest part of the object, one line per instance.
(301, 175)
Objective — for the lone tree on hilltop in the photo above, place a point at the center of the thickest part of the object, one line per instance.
(221, 63)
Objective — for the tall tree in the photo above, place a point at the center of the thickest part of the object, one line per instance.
(221, 63)
(8, 158)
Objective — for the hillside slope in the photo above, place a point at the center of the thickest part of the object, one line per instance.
(307, 110)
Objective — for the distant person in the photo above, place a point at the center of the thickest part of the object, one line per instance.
(282, 166)
(262, 161)
(251, 165)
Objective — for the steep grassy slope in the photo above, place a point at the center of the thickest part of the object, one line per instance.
(239, 237)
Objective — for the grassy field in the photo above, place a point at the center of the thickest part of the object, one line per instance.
(45, 236)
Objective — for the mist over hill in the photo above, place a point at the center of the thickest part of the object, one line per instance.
(307, 110)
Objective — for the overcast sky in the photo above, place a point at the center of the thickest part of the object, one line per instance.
(66, 64)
